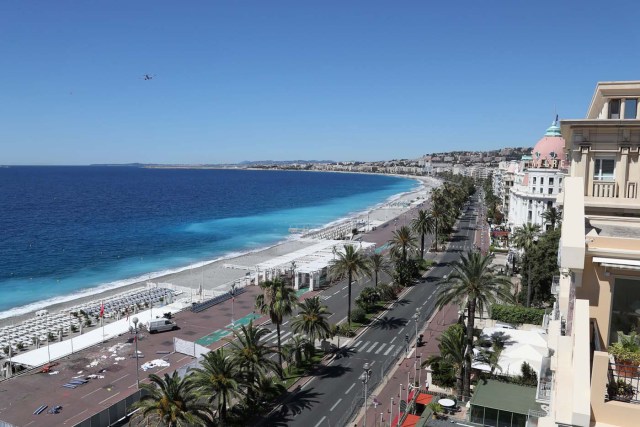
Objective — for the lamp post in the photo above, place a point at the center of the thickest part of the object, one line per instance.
(135, 329)
(416, 316)
(535, 240)
(366, 374)
(232, 291)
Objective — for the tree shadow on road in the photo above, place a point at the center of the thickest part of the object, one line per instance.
(295, 403)
(335, 371)
(389, 323)
(343, 351)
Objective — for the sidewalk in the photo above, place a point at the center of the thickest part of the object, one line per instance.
(383, 403)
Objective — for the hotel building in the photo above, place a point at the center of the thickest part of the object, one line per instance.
(598, 289)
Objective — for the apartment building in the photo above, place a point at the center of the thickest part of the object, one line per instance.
(598, 290)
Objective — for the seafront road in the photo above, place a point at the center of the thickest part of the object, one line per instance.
(334, 391)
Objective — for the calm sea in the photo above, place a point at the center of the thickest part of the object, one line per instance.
(66, 229)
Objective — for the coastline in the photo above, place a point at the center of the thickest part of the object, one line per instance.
(205, 273)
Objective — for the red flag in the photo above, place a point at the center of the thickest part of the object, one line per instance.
(102, 309)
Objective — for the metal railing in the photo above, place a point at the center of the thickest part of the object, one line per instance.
(623, 383)
(555, 285)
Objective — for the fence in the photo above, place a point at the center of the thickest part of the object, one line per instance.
(114, 413)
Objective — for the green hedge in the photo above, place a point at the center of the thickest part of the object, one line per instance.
(516, 314)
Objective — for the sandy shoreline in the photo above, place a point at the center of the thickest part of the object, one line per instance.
(213, 274)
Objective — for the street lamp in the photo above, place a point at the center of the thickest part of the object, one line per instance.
(366, 374)
(535, 240)
(416, 316)
(233, 300)
(135, 329)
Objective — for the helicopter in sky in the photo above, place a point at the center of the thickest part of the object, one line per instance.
(148, 76)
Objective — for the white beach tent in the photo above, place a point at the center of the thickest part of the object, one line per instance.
(54, 351)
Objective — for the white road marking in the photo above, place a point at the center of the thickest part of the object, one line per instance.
(335, 404)
(355, 345)
(394, 338)
(380, 348)
(389, 350)
(320, 422)
(372, 346)
(336, 293)
(350, 388)
(344, 288)
(364, 345)
(282, 337)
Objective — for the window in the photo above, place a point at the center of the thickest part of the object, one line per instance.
(541, 190)
(541, 180)
(534, 180)
(549, 204)
(559, 181)
(550, 181)
(626, 297)
(630, 108)
(550, 190)
(614, 108)
(604, 170)
(529, 216)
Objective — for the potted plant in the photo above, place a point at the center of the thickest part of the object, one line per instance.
(437, 409)
(620, 390)
(626, 353)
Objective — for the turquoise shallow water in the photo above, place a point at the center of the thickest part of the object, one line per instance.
(68, 229)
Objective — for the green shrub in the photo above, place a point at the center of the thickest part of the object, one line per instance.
(358, 315)
(516, 314)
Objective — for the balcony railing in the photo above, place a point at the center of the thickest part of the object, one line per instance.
(555, 285)
(631, 190)
(545, 384)
(623, 383)
(605, 189)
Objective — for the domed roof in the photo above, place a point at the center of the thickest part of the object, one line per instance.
(549, 151)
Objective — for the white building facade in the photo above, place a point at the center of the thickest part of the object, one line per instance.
(538, 181)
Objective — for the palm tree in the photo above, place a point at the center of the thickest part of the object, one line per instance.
(352, 264)
(423, 224)
(277, 301)
(252, 356)
(297, 350)
(172, 402)
(525, 236)
(440, 211)
(552, 216)
(377, 264)
(473, 284)
(452, 351)
(217, 381)
(402, 243)
(311, 320)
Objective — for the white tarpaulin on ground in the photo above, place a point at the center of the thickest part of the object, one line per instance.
(98, 334)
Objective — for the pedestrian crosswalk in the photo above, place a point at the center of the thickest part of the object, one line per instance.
(374, 347)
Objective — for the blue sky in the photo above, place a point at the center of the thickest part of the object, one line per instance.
(255, 80)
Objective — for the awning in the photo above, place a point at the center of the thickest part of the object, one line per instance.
(410, 421)
(623, 264)
(424, 399)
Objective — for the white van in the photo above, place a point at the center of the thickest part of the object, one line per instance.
(161, 325)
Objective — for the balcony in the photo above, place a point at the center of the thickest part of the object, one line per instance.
(608, 190)
(614, 407)
(623, 383)
(545, 384)
(555, 285)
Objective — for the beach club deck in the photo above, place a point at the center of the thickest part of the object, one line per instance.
(309, 265)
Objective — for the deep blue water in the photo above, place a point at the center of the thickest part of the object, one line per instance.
(64, 229)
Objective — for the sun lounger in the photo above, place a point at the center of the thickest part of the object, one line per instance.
(40, 409)
(70, 386)
(78, 381)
